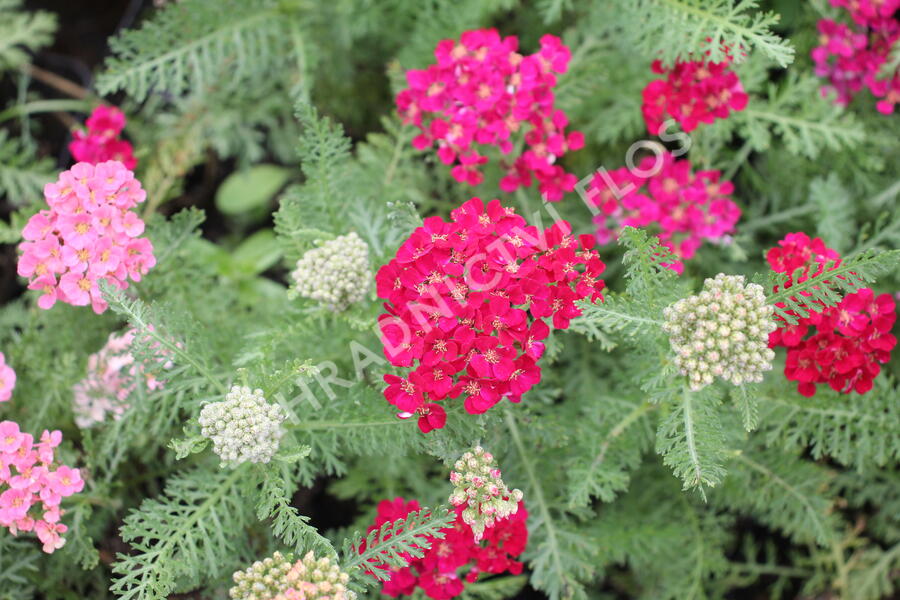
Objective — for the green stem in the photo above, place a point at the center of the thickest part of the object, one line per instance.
(314, 425)
(40, 106)
(785, 215)
(537, 491)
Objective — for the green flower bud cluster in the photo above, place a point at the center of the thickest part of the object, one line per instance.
(243, 427)
(336, 273)
(721, 332)
(479, 486)
(280, 578)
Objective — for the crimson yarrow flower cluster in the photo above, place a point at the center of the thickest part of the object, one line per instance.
(852, 57)
(455, 558)
(88, 234)
(846, 343)
(32, 485)
(467, 303)
(112, 376)
(280, 577)
(482, 92)
(7, 379)
(663, 194)
(480, 490)
(722, 332)
(692, 92)
(101, 141)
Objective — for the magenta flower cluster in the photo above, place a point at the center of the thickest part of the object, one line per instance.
(101, 141)
(88, 234)
(852, 57)
(482, 92)
(663, 193)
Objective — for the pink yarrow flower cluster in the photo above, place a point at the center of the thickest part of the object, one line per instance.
(467, 303)
(32, 485)
(482, 92)
(7, 379)
(112, 376)
(101, 141)
(88, 234)
(851, 57)
(692, 92)
(843, 346)
(684, 208)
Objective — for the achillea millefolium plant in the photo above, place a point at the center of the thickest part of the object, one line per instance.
(478, 299)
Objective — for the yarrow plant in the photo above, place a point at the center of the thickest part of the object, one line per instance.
(479, 489)
(847, 343)
(89, 234)
(722, 332)
(112, 376)
(684, 207)
(336, 273)
(482, 92)
(243, 427)
(280, 577)
(692, 92)
(101, 141)
(456, 557)
(466, 306)
(857, 56)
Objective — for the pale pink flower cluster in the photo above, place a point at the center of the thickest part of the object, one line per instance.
(32, 485)
(89, 234)
(7, 379)
(112, 375)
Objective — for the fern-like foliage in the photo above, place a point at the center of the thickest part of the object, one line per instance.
(192, 534)
(858, 434)
(387, 547)
(781, 490)
(18, 564)
(827, 288)
(288, 525)
(22, 32)
(805, 126)
(197, 44)
(692, 441)
(685, 29)
(22, 176)
(835, 222)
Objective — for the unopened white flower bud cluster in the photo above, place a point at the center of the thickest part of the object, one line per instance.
(336, 273)
(722, 332)
(280, 578)
(243, 427)
(478, 486)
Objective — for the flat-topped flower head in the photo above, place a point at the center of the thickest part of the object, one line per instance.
(692, 92)
(243, 427)
(722, 332)
(282, 578)
(336, 273)
(479, 489)
(469, 303)
(842, 346)
(101, 141)
(7, 379)
(89, 234)
(853, 56)
(33, 485)
(112, 376)
(456, 558)
(663, 194)
(483, 92)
